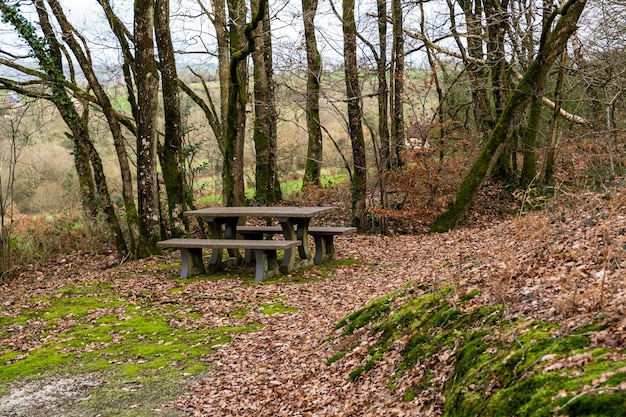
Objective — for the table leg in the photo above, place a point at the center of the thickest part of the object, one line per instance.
(191, 262)
(289, 233)
(229, 232)
(295, 229)
(303, 236)
(216, 233)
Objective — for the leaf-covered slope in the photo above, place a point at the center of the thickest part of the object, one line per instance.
(479, 362)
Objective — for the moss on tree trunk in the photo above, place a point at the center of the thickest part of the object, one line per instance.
(535, 77)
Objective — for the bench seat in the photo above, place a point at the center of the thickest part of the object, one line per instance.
(323, 236)
(265, 252)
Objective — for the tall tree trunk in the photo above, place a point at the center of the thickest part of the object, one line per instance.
(267, 187)
(531, 131)
(355, 127)
(312, 170)
(383, 87)
(548, 170)
(232, 172)
(529, 140)
(397, 126)
(384, 162)
(472, 55)
(275, 193)
(534, 77)
(496, 20)
(171, 153)
(147, 100)
(220, 22)
(242, 43)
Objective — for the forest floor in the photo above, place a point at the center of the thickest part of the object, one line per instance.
(561, 264)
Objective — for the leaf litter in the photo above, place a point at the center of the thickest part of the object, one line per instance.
(562, 264)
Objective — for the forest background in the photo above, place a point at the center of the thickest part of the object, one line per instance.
(118, 119)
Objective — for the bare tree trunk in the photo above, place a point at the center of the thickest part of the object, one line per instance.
(274, 190)
(355, 127)
(147, 94)
(534, 77)
(312, 170)
(384, 162)
(267, 185)
(171, 153)
(548, 170)
(496, 20)
(531, 131)
(232, 171)
(220, 23)
(397, 126)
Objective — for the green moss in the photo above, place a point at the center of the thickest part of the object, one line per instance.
(605, 405)
(335, 358)
(469, 296)
(371, 362)
(365, 315)
(239, 313)
(95, 328)
(501, 367)
(516, 368)
(276, 308)
(420, 317)
(409, 395)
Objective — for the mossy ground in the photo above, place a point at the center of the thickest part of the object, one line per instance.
(500, 367)
(145, 349)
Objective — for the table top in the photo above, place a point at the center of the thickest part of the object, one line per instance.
(265, 211)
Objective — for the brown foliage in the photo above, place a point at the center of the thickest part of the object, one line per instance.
(421, 189)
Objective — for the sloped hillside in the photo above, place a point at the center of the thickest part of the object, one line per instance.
(521, 318)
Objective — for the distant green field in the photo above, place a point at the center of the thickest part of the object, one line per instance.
(288, 188)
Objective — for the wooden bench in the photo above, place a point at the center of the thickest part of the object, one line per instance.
(323, 236)
(265, 252)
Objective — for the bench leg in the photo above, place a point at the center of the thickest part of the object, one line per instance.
(324, 248)
(191, 263)
(266, 264)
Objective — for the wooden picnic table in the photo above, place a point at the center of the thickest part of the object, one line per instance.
(294, 221)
